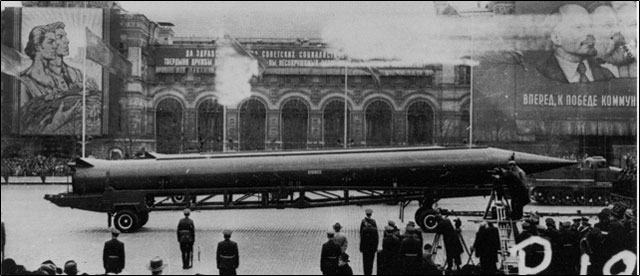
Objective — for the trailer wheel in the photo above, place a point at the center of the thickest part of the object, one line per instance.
(182, 199)
(144, 218)
(126, 221)
(426, 219)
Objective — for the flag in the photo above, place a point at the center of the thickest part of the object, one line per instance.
(105, 55)
(262, 62)
(13, 61)
(375, 73)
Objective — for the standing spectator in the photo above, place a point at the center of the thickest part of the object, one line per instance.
(487, 246)
(368, 241)
(186, 238)
(451, 239)
(390, 252)
(339, 238)
(113, 257)
(329, 256)
(396, 230)
(411, 253)
(515, 179)
(71, 268)
(343, 265)
(156, 266)
(585, 227)
(227, 255)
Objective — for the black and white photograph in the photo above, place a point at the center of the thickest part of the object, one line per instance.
(319, 138)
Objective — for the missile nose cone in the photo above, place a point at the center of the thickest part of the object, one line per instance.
(532, 163)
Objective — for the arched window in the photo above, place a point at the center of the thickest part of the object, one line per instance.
(295, 118)
(253, 117)
(169, 126)
(333, 118)
(210, 125)
(378, 124)
(420, 124)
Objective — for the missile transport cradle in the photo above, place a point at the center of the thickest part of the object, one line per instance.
(129, 189)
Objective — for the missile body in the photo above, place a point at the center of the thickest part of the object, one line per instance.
(400, 167)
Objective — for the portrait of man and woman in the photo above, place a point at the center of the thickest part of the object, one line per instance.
(52, 89)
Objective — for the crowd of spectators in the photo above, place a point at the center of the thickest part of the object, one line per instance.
(35, 166)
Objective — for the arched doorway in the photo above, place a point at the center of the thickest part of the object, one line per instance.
(295, 118)
(210, 125)
(253, 116)
(420, 124)
(169, 126)
(333, 118)
(378, 124)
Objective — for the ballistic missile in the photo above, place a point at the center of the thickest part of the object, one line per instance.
(402, 167)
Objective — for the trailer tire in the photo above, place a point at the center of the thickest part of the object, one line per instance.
(144, 218)
(126, 221)
(427, 219)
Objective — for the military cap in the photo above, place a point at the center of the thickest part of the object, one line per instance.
(115, 231)
(187, 211)
(156, 264)
(368, 211)
(410, 228)
(392, 223)
(70, 267)
(49, 269)
(411, 223)
(388, 228)
(227, 232)
(337, 226)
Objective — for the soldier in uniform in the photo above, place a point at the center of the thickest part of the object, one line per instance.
(186, 238)
(585, 227)
(411, 253)
(368, 241)
(487, 246)
(390, 252)
(113, 254)
(227, 257)
(329, 256)
(339, 238)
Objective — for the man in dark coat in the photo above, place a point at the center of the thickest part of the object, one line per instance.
(390, 252)
(113, 254)
(487, 246)
(329, 256)
(368, 241)
(411, 253)
(452, 243)
(516, 180)
(227, 256)
(186, 237)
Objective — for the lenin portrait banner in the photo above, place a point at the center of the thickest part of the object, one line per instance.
(49, 101)
(576, 78)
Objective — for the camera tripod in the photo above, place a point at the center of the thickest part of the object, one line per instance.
(436, 244)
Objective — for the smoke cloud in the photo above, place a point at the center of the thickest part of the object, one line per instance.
(234, 70)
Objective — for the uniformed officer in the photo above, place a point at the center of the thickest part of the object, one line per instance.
(186, 238)
(390, 252)
(368, 241)
(113, 254)
(329, 256)
(227, 256)
(411, 253)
